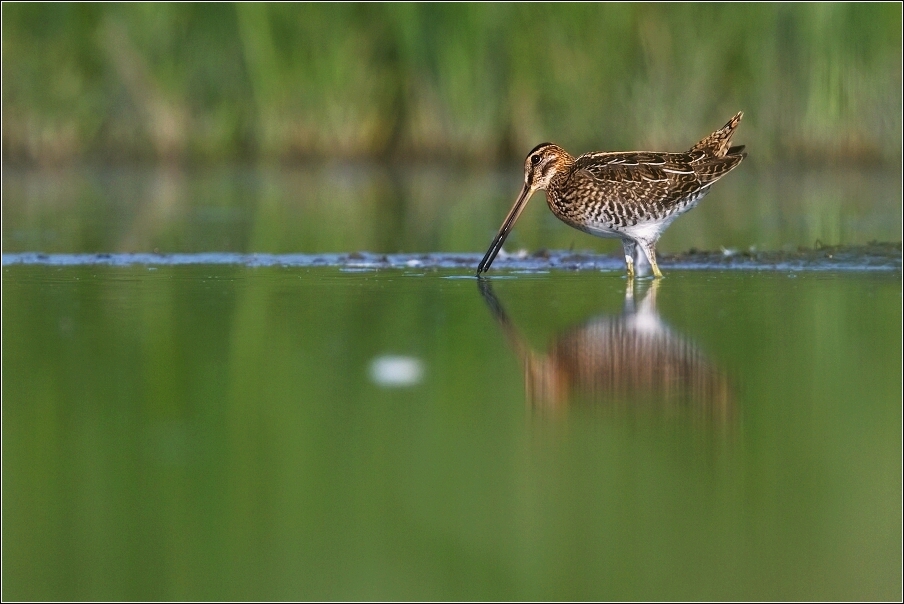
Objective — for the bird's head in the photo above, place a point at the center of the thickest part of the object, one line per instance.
(543, 163)
(541, 166)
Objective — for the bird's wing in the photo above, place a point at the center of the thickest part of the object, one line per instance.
(651, 179)
(710, 170)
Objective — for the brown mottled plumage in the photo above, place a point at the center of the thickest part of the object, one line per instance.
(630, 360)
(631, 195)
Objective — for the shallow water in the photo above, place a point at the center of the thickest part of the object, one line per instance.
(210, 392)
(234, 431)
(857, 258)
(336, 208)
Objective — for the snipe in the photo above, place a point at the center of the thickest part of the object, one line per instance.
(632, 195)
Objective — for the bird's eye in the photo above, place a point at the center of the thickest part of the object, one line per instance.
(535, 159)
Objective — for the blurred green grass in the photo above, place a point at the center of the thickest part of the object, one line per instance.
(465, 82)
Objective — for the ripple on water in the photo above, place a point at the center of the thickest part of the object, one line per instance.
(873, 256)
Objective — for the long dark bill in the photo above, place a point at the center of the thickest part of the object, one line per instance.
(504, 231)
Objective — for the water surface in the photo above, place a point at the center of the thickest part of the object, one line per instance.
(233, 431)
(341, 208)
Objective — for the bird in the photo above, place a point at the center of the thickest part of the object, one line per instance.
(630, 195)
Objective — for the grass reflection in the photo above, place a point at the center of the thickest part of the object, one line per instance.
(349, 207)
(214, 433)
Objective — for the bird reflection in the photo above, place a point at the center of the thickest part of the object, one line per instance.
(633, 360)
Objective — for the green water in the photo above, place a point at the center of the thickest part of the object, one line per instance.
(220, 432)
(352, 207)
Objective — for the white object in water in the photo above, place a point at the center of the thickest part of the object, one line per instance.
(396, 371)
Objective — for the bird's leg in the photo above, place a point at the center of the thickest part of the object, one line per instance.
(629, 256)
(650, 250)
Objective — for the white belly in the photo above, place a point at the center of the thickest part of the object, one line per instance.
(644, 231)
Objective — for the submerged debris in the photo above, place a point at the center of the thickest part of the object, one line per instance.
(872, 256)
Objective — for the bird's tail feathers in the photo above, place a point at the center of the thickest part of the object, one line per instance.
(718, 144)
